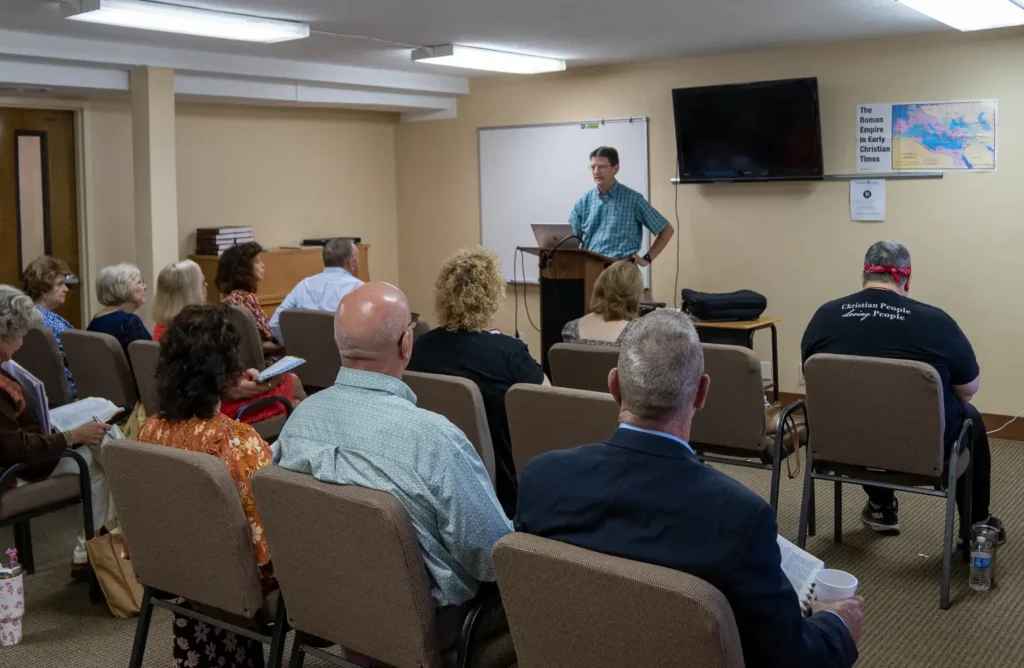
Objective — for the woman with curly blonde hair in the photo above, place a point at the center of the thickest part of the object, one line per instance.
(470, 289)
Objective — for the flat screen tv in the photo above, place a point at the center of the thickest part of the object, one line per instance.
(764, 131)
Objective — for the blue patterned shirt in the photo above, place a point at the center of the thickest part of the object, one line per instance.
(57, 325)
(366, 430)
(611, 224)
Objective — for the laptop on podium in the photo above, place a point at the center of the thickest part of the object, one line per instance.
(549, 235)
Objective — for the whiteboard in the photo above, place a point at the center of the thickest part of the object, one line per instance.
(535, 173)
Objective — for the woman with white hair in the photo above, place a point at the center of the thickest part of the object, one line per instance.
(21, 437)
(122, 292)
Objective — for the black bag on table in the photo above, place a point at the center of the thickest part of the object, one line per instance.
(724, 306)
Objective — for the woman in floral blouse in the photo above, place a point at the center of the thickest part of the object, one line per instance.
(45, 281)
(198, 363)
(238, 273)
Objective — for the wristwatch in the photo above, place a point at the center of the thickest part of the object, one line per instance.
(648, 259)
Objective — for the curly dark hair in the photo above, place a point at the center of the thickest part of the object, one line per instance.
(234, 271)
(198, 363)
(42, 274)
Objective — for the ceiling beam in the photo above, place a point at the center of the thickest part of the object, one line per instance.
(77, 50)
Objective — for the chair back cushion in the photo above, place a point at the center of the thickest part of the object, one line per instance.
(541, 419)
(582, 366)
(184, 525)
(877, 413)
(421, 328)
(310, 335)
(733, 415)
(144, 356)
(459, 400)
(573, 608)
(99, 366)
(352, 571)
(41, 357)
(251, 347)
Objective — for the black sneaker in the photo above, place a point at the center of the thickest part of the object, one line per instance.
(884, 520)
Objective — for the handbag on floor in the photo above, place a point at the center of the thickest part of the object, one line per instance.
(115, 574)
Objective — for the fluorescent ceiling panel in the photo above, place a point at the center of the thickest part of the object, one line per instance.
(473, 58)
(187, 21)
(971, 14)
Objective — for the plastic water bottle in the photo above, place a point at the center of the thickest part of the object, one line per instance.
(981, 565)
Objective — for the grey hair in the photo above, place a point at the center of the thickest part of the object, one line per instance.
(338, 251)
(18, 313)
(660, 365)
(115, 283)
(887, 254)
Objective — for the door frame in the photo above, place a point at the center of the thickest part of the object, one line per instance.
(83, 172)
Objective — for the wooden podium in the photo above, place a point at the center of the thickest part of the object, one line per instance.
(567, 280)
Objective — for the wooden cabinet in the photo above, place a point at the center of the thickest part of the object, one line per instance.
(283, 269)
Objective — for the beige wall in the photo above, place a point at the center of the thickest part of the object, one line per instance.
(793, 242)
(289, 173)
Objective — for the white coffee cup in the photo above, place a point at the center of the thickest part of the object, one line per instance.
(832, 585)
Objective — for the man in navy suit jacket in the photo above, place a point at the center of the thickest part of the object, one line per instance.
(643, 495)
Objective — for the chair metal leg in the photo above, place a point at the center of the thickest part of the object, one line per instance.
(773, 497)
(947, 544)
(805, 503)
(812, 524)
(277, 637)
(23, 544)
(141, 631)
(968, 512)
(298, 657)
(838, 503)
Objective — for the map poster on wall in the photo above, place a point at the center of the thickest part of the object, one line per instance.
(927, 136)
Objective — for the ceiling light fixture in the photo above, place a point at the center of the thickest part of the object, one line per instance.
(473, 58)
(187, 21)
(968, 15)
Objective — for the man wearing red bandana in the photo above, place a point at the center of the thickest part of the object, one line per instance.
(883, 321)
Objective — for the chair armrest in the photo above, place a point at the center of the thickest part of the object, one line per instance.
(780, 426)
(267, 401)
(486, 603)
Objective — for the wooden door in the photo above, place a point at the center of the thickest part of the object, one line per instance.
(39, 195)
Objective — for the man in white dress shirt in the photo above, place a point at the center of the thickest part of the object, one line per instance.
(324, 291)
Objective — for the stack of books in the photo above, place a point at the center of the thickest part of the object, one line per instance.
(216, 240)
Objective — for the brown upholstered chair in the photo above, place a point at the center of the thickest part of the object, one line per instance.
(542, 418)
(582, 366)
(732, 429)
(459, 400)
(573, 608)
(310, 335)
(421, 328)
(353, 575)
(99, 367)
(18, 505)
(189, 539)
(41, 357)
(144, 356)
(880, 421)
(251, 348)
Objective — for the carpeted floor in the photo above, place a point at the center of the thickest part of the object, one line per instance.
(899, 577)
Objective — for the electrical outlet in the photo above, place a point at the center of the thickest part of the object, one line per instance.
(800, 375)
(766, 371)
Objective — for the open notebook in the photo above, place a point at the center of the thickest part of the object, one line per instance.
(800, 567)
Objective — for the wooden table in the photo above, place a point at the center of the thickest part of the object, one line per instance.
(751, 326)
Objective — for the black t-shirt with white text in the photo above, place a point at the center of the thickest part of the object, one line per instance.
(881, 323)
(495, 362)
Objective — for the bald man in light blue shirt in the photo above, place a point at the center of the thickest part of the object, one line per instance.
(324, 291)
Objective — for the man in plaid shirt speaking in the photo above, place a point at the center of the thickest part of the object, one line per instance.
(609, 218)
